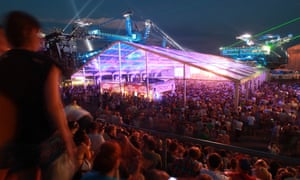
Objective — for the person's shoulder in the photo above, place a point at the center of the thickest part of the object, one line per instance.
(23, 54)
(14, 56)
(11, 54)
(18, 52)
(221, 175)
(44, 57)
(93, 175)
(209, 172)
(234, 175)
(94, 137)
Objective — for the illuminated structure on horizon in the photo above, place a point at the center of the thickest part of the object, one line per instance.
(262, 49)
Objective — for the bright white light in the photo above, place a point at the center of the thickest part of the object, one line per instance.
(244, 36)
(267, 49)
(148, 22)
(89, 45)
(133, 36)
(178, 72)
(79, 78)
(250, 43)
(247, 38)
(195, 70)
(95, 32)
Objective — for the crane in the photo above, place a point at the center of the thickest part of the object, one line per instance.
(136, 36)
(64, 45)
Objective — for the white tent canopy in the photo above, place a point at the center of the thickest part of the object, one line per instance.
(126, 58)
(129, 58)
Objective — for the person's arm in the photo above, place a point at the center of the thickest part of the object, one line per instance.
(56, 109)
(8, 120)
(88, 153)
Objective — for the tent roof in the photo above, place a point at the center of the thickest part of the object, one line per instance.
(137, 58)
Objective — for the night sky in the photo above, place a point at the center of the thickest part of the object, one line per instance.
(200, 25)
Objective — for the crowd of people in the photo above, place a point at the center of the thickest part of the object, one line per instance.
(79, 133)
(272, 111)
(115, 152)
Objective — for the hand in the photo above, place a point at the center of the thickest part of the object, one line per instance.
(70, 146)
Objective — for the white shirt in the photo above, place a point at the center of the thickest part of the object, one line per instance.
(251, 120)
(238, 125)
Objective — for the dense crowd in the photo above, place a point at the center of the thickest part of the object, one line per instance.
(209, 114)
(86, 138)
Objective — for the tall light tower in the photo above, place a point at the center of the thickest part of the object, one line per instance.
(127, 16)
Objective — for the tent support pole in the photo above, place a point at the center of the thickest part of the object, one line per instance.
(84, 78)
(120, 63)
(147, 83)
(247, 90)
(184, 79)
(100, 74)
(236, 96)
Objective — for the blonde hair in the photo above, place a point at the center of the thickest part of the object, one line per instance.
(263, 173)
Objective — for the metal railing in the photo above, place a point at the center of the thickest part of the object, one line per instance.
(289, 161)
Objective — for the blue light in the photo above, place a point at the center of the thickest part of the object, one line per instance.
(135, 55)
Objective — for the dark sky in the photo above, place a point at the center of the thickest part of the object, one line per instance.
(200, 25)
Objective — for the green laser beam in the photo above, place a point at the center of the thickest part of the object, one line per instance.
(268, 30)
(295, 37)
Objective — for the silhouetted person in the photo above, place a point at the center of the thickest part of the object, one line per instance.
(29, 92)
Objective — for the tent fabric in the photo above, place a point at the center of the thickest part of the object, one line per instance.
(127, 57)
